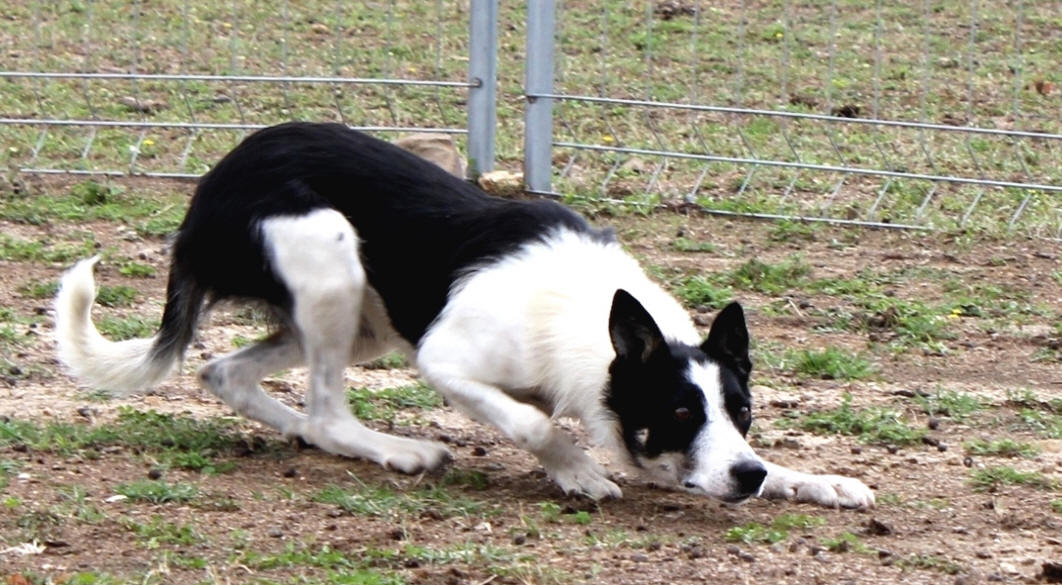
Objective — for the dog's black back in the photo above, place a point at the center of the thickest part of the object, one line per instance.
(419, 226)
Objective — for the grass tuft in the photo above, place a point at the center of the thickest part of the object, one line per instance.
(990, 479)
(870, 425)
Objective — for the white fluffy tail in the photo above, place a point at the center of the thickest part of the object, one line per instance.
(125, 366)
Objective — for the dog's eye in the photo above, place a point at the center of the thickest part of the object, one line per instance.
(745, 414)
(682, 414)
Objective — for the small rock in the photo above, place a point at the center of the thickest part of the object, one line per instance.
(1051, 572)
(933, 442)
(933, 423)
(1008, 568)
(884, 553)
(857, 450)
(892, 449)
(291, 472)
(519, 539)
(967, 461)
(983, 554)
(876, 527)
(155, 473)
(411, 564)
(942, 447)
(87, 412)
(695, 552)
(397, 534)
(639, 558)
(276, 533)
(479, 451)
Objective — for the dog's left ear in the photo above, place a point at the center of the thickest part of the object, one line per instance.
(635, 335)
(728, 340)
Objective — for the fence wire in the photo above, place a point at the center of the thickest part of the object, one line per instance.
(164, 88)
(920, 115)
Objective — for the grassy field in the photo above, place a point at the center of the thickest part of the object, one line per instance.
(929, 365)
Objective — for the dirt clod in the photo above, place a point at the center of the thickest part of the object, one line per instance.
(1051, 572)
(875, 527)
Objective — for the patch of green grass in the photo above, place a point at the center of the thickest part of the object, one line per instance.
(700, 291)
(116, 296)
(1056, 506)
(40, 290)
(94, 193)
(136, 270)
(778, 531)
(383, 501)
(132, 327)
(831, 363)
(342, 568)
(792, 231)
(17, 250)
(159, 531)
(470, 478)
(845, 542)
(1001, 448)
(929, 562)
(391, 361)
(682, 244)
(1046, 424)
(949, 403)
(181, 442)
(158, 492)
(770, 278)
(990, 479)
(912, 323)
(870, 425)
(384, 404)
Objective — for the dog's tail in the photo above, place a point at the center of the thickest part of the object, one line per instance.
(128, 366)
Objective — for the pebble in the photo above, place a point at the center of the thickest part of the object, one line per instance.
(479, 451)
(876, 527)
(933, 423)
(275, 533)
(857, 450)
(519, 539)
(942, 447)
(892, 449)
(154, 473)
(639, 558)
(967, 461)
(291, 472)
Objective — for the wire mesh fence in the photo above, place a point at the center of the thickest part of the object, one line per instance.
(164, 88)
(903, 114)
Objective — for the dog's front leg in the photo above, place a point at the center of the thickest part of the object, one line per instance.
(567, 464)
(834, 491)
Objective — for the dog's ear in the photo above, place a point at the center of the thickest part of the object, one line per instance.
(728, 340)
(634, 333)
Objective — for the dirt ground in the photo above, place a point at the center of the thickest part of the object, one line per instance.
(931, 525)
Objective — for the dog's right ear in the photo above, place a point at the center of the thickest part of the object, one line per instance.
(635, 336)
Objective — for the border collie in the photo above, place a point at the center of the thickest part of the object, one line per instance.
(518, 312)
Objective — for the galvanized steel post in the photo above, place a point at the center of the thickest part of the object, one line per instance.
(538, 119)
(483, 76)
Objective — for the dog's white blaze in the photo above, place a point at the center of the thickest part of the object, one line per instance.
(719, 445)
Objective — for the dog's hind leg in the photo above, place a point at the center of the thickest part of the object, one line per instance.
(234, 379)
(316, 256)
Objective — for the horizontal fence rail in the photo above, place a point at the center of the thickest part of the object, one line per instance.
(918, 115)
(163, 89)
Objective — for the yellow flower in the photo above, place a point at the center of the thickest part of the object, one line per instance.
(607, 139)
(148, 142)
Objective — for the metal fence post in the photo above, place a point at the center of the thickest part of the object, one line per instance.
(483, 74)
(538, 119)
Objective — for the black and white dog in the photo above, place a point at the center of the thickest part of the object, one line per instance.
(518, 312)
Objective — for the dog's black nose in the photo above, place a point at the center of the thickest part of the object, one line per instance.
(749, 476)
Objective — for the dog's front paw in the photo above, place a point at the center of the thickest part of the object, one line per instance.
(421, 456)
(589, 481)
(834, 491)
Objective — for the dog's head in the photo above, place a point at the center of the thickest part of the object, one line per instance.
(684, 410)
